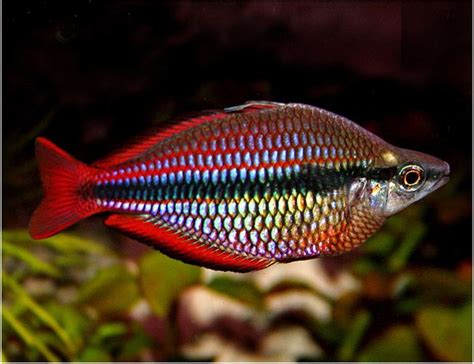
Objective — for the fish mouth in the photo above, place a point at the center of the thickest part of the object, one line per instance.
(445, 178)
(446, 174)
(441, 182)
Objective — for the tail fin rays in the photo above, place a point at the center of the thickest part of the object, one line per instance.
(63, 204)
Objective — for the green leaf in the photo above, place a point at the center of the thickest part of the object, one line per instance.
(39, 311)
(364, 265)
(24, 138)
(66, 242)
(329, 332)
(108, 330)
(26, 335)
(16, 235)
(134, 345)
(354, 336)
(32, 261)
(113, 289)
(398, 343)
(242, 290)
(400, 257)
(406, 306)
(63, 242)
(163, 278)
(95, 354)
(69, 260)
(447, 331)
(380, 244)
(74, 322)
(396, 223)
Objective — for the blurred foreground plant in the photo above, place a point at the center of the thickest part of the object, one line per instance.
(47, 287)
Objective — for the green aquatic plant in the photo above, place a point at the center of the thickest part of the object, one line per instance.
(43, 296)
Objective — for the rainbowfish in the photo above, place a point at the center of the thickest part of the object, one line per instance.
(243, 188)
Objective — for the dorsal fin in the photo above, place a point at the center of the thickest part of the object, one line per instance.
(184, 248)
(143, 143)
(251, 106)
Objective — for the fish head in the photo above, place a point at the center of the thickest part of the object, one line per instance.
(406, 177)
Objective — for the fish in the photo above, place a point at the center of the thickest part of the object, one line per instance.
(242, 188)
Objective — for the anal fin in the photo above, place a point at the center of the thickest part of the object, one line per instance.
(183, 248)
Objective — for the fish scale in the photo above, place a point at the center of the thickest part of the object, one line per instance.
(243, 188)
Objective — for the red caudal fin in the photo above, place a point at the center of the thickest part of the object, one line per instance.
(62, 205)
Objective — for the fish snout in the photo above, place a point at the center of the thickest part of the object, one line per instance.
(441, 175)
(446, 169)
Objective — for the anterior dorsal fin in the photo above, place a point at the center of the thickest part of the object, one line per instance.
(144, 143)
(251, 106)
(184, 248)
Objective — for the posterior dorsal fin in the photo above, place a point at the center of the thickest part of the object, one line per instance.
(184, 248)
(144, 143)
(251, 106)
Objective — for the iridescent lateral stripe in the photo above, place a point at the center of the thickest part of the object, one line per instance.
(219, 184)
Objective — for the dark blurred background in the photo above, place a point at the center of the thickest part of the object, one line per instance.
(91, 74)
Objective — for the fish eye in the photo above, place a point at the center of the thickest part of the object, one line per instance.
(411, 177)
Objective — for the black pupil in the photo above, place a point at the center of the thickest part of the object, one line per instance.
(412, 178)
